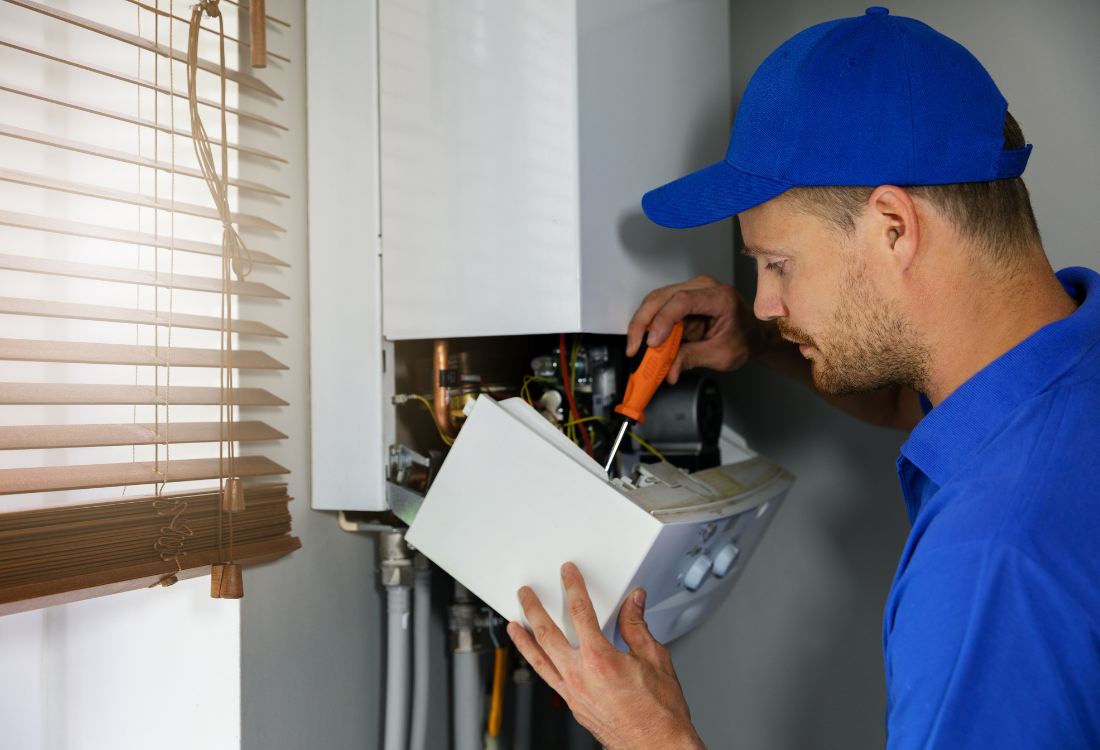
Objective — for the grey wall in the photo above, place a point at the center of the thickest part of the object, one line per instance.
(793, 659)
(311, 623)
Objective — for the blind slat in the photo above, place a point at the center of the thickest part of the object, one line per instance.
(121, 117)
(37, 350)
(126, 236)
(34, 136)
(181, 19)
(75, 394)
(76, 311)
(91, 476)
(112, 234)
(134, 199)
(91, 68)
(28, 437)
(244, 79)
(130, 276)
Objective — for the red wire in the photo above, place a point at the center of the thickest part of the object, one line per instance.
(569, 394)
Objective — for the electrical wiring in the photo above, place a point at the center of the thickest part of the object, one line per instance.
(587, 419)
(428, 406)
(569, 392)
(525, 391)
(573, 352)
(505, 397)
(644, 444)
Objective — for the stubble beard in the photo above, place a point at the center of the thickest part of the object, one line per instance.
(868, 345)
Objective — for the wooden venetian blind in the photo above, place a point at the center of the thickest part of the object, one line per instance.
(123, 264)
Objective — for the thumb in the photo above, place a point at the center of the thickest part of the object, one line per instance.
(632, 626)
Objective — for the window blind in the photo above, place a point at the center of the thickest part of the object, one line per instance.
(120, 344)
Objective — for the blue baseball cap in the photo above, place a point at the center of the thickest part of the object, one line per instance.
(872, 100)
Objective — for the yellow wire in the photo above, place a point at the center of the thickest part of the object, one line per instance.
(585, 419)
(647, 446)
(641, 442)
(424, 401)
(573, 354)
(525, 392)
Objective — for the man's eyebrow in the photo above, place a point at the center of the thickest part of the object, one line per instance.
(754, 252)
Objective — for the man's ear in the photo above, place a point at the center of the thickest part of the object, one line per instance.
(893, 226)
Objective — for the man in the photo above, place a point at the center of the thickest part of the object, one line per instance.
(929, 307)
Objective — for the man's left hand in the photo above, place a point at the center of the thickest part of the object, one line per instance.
(630, 701)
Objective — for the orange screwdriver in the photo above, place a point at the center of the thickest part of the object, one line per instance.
(653, 365)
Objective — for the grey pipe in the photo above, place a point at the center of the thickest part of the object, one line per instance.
(422, 617)
(525, 693)
(467, 694)
(397, 668)
(468, 700)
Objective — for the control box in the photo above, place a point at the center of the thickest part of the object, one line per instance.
(516, 499)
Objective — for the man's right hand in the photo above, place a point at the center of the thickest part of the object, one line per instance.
(720, 330)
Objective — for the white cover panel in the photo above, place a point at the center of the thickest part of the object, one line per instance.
(654, 105)
(479, 167)
(347, 383)
(509, 508)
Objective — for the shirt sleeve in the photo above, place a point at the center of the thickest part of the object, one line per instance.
(984, 649)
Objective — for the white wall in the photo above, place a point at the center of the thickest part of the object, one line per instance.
(129, 671)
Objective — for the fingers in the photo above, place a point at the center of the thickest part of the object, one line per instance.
(715, 354)
(710, 302)
(547, 633)
(581, 610)
(654, 302)
(632, 625)
(534, 654)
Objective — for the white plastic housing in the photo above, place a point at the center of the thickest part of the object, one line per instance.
(517, 140)
(515, 500)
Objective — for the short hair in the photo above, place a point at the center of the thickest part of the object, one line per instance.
(996, 216)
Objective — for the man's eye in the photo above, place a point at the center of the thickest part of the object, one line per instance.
(775, 265)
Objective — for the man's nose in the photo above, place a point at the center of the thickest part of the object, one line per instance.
(768, 304)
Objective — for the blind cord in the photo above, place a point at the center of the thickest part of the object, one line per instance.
(170, 544)
(236, 258)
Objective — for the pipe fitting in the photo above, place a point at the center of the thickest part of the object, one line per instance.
(463, 619)
(397, 559)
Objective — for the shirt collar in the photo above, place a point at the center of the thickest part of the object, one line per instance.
(949, 436)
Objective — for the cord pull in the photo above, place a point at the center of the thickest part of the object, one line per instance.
(233, 496)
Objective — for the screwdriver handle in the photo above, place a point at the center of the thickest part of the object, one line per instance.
(651, 371)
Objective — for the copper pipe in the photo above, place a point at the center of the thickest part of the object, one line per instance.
(441, 401)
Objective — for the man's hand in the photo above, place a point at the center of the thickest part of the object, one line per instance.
(628, 701)
(720, 330)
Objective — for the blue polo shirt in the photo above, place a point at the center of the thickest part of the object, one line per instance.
(992, 628)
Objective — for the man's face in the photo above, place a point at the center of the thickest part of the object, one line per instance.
(827, 293)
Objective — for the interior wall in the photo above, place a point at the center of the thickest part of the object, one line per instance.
(311, 623)
(793, 659)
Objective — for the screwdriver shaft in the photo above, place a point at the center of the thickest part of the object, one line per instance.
(615, 447)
